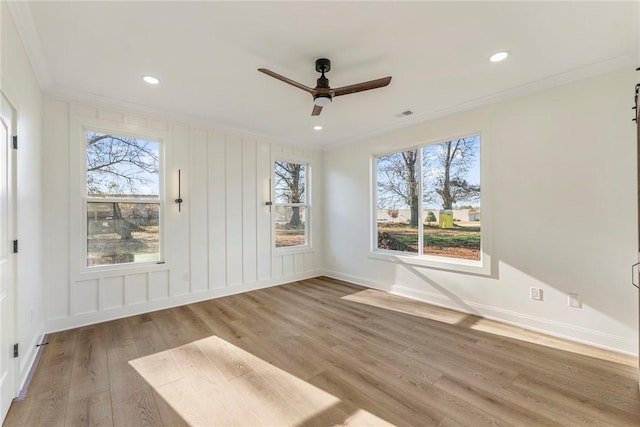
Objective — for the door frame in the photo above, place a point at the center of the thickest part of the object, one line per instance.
(8, 115)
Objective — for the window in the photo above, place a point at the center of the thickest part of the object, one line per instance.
(428, 200)
(123, 200)
(291, 204)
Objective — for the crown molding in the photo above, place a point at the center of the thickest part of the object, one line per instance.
(70, 95)
(615, 64)
(28, 33)
(626, 61)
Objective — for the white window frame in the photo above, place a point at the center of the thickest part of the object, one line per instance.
(161, 201)
(306, 205)
(481, 267)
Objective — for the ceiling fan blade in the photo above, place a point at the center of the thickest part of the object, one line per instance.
(287, 80)
(359, 87)
(316, 110)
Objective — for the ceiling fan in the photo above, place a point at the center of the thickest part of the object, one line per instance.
(322, 93)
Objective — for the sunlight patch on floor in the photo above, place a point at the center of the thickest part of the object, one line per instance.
(404, 305)
(384, 300)
(212, 382)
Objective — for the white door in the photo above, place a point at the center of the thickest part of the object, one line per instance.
(8, 364)
(637, 109)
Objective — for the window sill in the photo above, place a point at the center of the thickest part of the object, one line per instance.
(482, 268)
(127, 268)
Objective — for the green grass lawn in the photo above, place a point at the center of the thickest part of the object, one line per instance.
(457, 237)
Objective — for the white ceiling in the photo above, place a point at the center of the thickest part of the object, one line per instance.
(206, 55)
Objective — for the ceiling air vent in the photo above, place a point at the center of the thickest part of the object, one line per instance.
(405, 114)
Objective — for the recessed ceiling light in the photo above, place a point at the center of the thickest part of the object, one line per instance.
(317, 127)
(499, 56)
(151, 80)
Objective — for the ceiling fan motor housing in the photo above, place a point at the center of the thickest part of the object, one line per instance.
(323, 65)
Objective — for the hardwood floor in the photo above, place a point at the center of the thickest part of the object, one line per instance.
(318, 353)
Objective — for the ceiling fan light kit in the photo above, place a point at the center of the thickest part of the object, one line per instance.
(323, 93)
(322, 100)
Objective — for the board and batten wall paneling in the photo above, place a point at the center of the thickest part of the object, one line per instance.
(176, 223)
(158, 285)
(276, 266)
(298, 263)
(55, 170)
(137, 287)
(112, 292)
(217, 202)
(287, 264)
(85, 296)
(234, 210)
(309, 261)
(219, 244)
(263, 220)
(249, 211)
(199, 211)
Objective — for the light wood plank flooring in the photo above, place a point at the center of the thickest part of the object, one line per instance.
(318, 353)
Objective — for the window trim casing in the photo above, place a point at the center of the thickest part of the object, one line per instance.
(283, 250)
(484, 266)
(124, 131)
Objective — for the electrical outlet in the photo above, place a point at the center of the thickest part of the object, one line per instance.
(574, 301)
(536, 294)
(185, 276)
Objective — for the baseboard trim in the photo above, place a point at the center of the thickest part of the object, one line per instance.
(65, 323)
(24, 389)
(553, 328)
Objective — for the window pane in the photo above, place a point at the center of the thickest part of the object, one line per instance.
(290, 183)
(119, 233)
(122, 167)
(290, 226)
(451, 198)
(397, 195)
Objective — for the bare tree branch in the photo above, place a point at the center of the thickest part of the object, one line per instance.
(445, 177)
(117, 165)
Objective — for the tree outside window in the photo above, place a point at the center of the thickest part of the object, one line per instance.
(123, 199)
(291, 204)
(435, 191)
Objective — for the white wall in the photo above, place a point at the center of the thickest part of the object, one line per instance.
(219, 244)
(21, 89)
(570, 149)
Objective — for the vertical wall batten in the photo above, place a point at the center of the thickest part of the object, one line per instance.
(249, 227)
(217, 199)
(176, 224)
(113, 292)
(276, 266)
(287, 264)
(56, 171)
(137, 288)
(298, 262)
(234, 210)
(263, 217)
(199, 211)
(309, 264)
